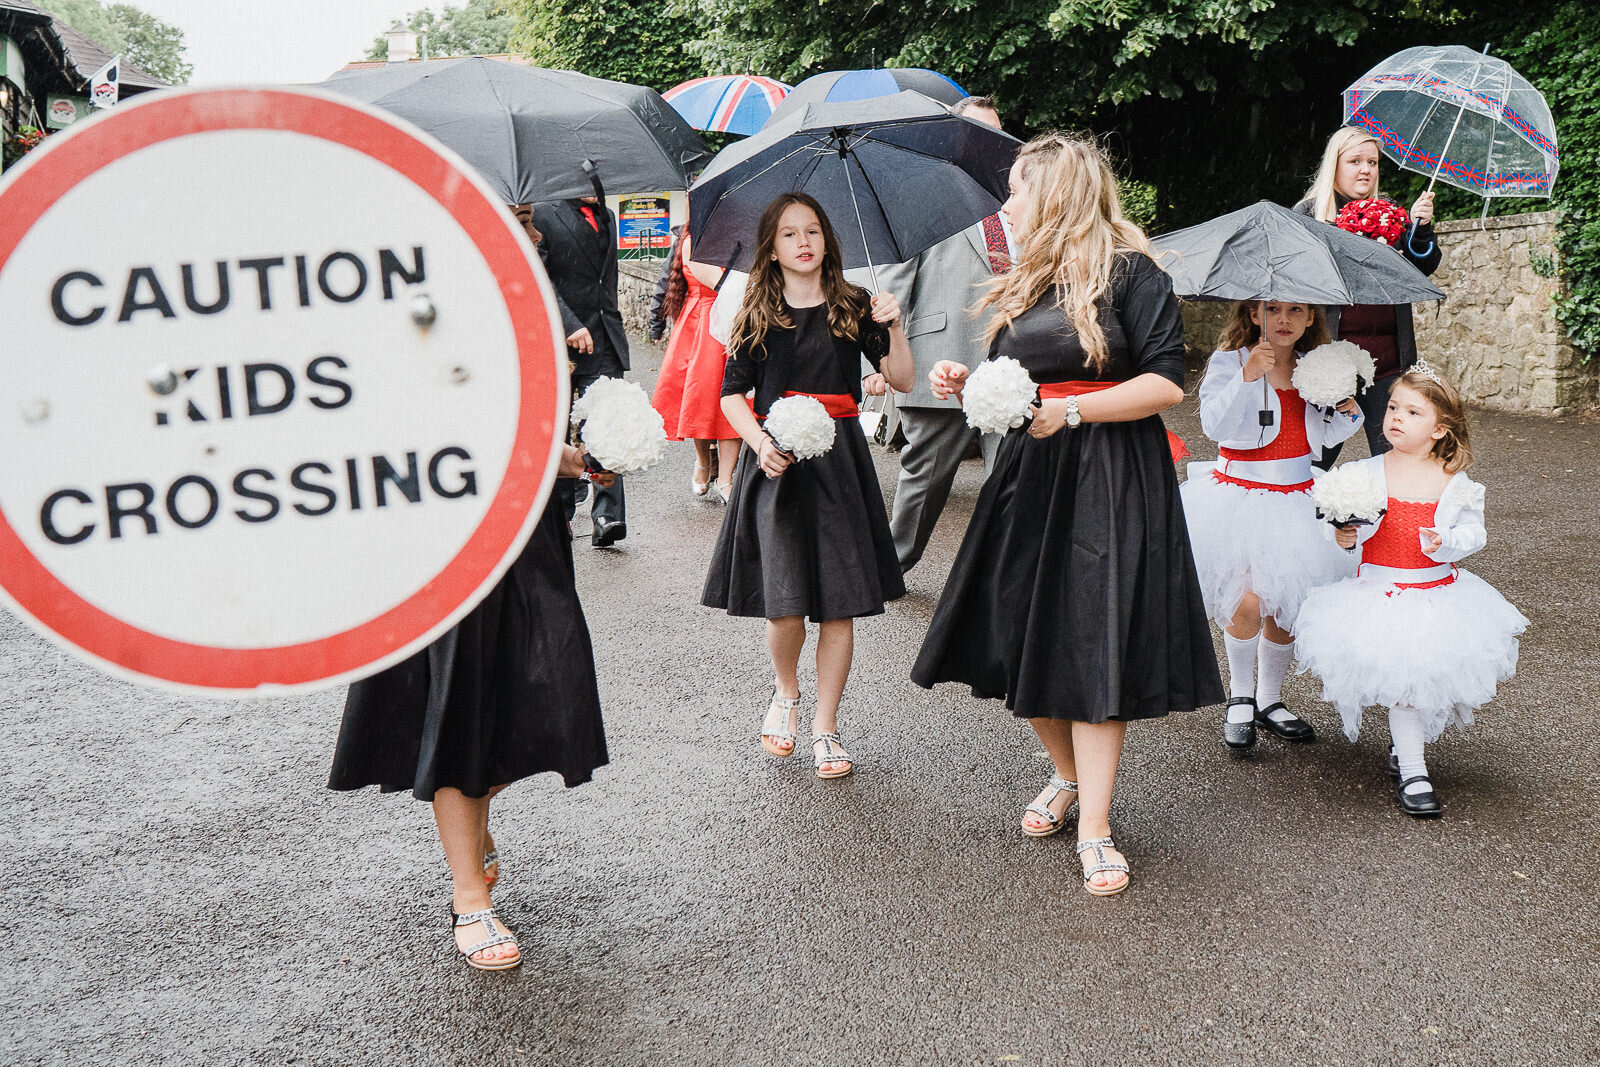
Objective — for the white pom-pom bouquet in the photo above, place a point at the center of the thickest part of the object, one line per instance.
(620, 428)
(1350, 495)
(801, 426)
(1331, 373)
(998, 395)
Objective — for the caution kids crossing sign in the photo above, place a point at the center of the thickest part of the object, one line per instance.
(280, 389)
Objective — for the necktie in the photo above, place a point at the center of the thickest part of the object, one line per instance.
(994, 237)
(588, 214)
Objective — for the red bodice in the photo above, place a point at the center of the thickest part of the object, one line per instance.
(1291, 440)
(1396, 542)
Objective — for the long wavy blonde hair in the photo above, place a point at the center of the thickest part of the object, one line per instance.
(1071, 231)
(762, 308)
(1321, 193)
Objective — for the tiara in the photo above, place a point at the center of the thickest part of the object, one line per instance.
(1422, 367)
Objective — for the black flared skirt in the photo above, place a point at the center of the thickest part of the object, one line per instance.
(814, 541)
(1074, 593)
(507, 693)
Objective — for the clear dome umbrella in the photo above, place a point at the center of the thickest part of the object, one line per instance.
(1461, 117)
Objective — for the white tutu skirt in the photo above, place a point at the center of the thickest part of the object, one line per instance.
(1441, 650)
(1268, 543)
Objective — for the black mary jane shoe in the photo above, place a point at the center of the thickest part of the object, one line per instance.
(1394, 764)
(1424, 805)
(1295, 729)
(1240, 735)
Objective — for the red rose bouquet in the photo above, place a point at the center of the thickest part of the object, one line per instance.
(1382, 220)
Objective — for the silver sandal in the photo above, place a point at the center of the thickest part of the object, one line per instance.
(491, 868)
(790, 731)
(1041, 807)
(1103, 866)
(498, 935)
(832, 752)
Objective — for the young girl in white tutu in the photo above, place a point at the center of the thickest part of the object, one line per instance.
(1412, 631)
(1258, 545)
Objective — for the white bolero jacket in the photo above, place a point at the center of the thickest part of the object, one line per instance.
(1457, 518)
(1230, 409)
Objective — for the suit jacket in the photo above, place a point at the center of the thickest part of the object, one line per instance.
(936, 289)
(582, 265)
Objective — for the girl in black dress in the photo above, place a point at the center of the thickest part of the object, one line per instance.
(1074, 594)
(809, 538)
(508, 692)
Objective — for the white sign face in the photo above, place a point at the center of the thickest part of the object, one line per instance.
(233, 458)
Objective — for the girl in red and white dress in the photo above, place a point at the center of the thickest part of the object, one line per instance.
(1258, 545)
(1412, 631)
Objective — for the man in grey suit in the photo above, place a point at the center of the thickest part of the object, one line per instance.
(935, 291)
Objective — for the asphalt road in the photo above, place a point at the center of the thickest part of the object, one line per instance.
(180, 887)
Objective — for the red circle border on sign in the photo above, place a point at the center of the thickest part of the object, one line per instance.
(61, 610)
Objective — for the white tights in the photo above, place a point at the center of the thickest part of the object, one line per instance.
(1405, 730)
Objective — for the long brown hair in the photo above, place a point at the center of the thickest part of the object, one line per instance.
(1072, 230)
(677, 280)
(1242, 332)
(1454, 449)
(762, 308)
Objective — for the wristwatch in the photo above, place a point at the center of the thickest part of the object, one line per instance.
(1073, 418)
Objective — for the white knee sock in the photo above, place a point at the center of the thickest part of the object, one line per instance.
(1272, 663)
(1241, 673)
(1405, 728)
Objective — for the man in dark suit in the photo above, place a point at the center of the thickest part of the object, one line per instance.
(579, 254)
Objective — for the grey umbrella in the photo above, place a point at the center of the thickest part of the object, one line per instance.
(1269, 252)
(895, 174)
(528, 131)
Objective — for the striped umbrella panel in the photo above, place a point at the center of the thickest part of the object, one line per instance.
(727, 103)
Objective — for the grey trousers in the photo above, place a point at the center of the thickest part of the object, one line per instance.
(936, 441)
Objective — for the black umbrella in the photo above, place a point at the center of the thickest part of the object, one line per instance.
(528, 131)
(896, 175)
(841, 86)
(1269, 252)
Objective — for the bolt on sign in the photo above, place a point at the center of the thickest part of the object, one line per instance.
(280, 393)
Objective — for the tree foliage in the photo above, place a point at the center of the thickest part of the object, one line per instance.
(154, 46)
(638, 41)
(479, 28)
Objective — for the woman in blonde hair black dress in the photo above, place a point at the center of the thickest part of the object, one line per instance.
(1074, 595)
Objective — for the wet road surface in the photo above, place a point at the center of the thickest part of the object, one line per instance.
(181, 888)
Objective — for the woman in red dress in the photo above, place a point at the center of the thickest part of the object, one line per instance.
(689, 389)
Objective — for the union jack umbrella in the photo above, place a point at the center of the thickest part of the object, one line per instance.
(1461, 117)
(727, 103)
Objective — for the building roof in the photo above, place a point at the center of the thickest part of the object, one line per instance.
(370, 64)
(81, 56)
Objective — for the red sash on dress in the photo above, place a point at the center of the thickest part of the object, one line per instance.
(1291, 443)
(1062, 390)
(839, 405)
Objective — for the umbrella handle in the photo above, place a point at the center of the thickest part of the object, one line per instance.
(1412, 248)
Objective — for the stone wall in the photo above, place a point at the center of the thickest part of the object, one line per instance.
(636, 286)
(1495, 335)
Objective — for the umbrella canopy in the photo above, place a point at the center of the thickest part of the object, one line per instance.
(727, 103)
(1267, 252)
(1461, 117)
(842, 86)
(528, 131)
(895, 174)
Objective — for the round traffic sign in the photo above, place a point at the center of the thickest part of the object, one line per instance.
(280, 393)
